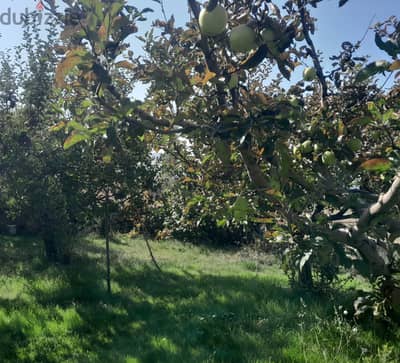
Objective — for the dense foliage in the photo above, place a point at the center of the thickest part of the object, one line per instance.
(46, 190)
(315, 164)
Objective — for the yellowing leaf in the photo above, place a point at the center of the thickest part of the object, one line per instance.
(102, 33)
(208, 76)
(107, 159)
(263, 220)
(74, 138)
(203, 80)
(262, 98)
(378, 164)
(58, 127)
(148, 137)
(274, 192)
(74, 57)
(341, 128)
(64, 67)
(395, 65)
(125, 64)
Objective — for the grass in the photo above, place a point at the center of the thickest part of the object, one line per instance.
(206, 306)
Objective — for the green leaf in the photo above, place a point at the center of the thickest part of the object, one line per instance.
(389, 47)
(91, 22)
(240, 208)
(223, 152)
(116, 8)
(87, 103)
(76, 126)
(98, 9)
(371, 70)
(222, 222)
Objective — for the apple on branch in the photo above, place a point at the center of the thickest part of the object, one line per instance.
(213, 22)
(242, 39)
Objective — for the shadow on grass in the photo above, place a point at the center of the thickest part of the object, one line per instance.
(166, 317)
(172, 317)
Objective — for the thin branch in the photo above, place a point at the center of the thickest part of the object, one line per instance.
(366, 32)
(314, 55)
(163, 10)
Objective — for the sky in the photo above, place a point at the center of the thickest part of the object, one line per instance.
(334, 25)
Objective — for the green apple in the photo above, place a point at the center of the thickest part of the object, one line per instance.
(267, 35)
(233, 81)
(309, 74)
(297, 151)
(242, 39)
(306, 147)
(317, 148)
(328, 158)
(354, 144)
(213, 22)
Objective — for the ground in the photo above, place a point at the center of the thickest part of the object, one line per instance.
(206, 306)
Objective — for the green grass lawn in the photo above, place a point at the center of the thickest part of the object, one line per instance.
(206, 306)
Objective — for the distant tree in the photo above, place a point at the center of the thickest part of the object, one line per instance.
(54, 192)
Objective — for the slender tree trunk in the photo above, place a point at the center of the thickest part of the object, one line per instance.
(107, 235)
(153, 259)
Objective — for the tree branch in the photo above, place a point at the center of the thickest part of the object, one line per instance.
(211, 62)
(374, 254)
(254, 171)
(384, 203)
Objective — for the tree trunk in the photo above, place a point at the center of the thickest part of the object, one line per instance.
(50, 248)
(305, 276)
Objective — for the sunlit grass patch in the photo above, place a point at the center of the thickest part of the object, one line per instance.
(206, 306)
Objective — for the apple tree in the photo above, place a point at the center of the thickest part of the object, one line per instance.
(317, 162)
